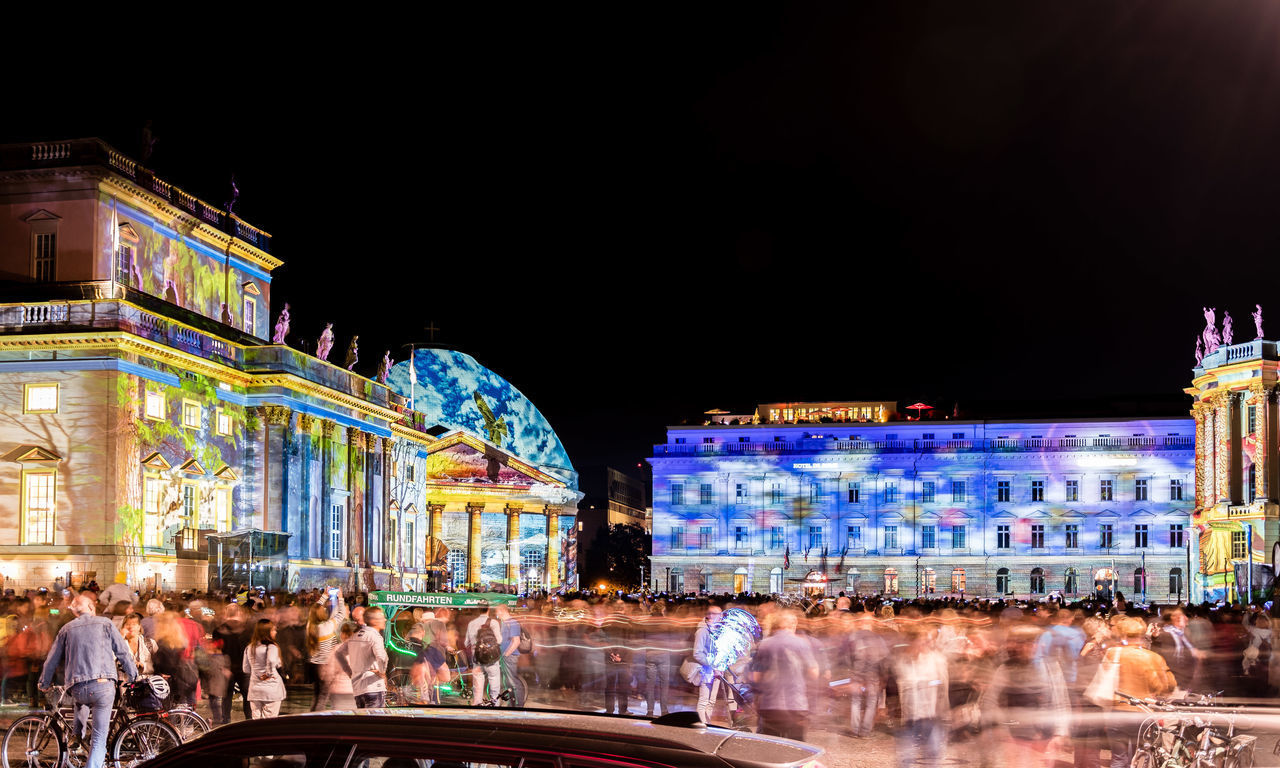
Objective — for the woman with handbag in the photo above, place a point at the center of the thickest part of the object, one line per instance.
(262, 665)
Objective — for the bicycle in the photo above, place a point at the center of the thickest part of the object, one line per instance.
(1163, 742)
(50, 740)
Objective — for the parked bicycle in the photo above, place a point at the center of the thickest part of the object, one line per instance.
(50, 739)
(1166, 740)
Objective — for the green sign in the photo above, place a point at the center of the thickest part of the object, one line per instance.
(441, 599)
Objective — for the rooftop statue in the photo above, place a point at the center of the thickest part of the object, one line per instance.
(353, 353)
(384, 369)
(1199, 350)
(1226, 329)
(1257, 319)
(1211, 338)
(325, 343)
(282, 326)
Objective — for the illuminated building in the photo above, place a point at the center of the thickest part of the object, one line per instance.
(926, 507)
(152, 433)
(827, 412)
(1237, 464)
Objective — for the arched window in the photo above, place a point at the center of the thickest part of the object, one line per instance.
(1071, 582)
(851, 580)
(930, 581)
(1002, 581)
(1175, 583)
(1139, 582)
(891, 581)
(775, 581)
(957, 579)
(740, 582)
(1037, 581)
(677, 581)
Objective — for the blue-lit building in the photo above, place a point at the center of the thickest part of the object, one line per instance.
(979, 508)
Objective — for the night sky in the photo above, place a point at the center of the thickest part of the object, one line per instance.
(635, 218)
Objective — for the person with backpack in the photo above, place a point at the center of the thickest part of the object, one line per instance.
(484, 644)
(515, 641)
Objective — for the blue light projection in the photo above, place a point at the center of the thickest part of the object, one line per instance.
(448, 383)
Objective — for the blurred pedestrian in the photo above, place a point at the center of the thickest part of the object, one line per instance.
(782, 668)
(262, 665)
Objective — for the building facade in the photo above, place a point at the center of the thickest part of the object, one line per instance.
(1237, 467)
(159, 430)
(975, 508)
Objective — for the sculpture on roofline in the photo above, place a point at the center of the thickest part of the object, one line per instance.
(1226, 329)
(1257, 319)
(325, 343)
(353, 353)
(384, 368)
(282, 326)
(1199, 350)
(1210, 336)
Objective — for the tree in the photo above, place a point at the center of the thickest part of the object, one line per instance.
(617, 554)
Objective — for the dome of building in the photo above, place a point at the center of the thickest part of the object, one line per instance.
(457, 392)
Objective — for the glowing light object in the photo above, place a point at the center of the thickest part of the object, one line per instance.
(732, 636)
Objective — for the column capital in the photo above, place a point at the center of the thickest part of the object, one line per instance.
(276, 415)
(327, 427)
(475, 506)
(306, 422)
(513, 509)
(355, 437)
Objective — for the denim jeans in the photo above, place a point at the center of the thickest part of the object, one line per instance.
(657, 683)
(862, 709)
(376, 699)
(919, 743)
(616, 683)
(511, 679)
(98, 696)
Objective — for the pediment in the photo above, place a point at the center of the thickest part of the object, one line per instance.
(463, 458)
(1142, 513)
(128, 233)
(33, 454)
(251, 287)
(1034, 514)
(1004, 513)
(156, 461)
(1107, 514)
(226, 473)
(192, 467)
(1071, 514)
(41, 214)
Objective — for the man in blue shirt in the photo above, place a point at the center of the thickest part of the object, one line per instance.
(87, 648)
(511, 656)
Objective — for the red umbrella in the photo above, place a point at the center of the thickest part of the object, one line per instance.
(918, 407)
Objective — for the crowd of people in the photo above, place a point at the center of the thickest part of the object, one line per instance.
(933, 673)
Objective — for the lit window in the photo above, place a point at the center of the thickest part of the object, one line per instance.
(250, 314)
(189, 505)
(45, 257)
(41, 398)
(223, 421)
(155, 405)
(1106, 535)
(1104, 490)
(222, 509)
(38, 507)
(1073, 536)
(335, 541)
(151, 515)
(190, 414)
(1073, 490)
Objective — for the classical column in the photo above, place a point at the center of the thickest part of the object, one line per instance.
(1235, 487)
(553, 547)
(1268, 447)
(275, 467)
(388, 546)
(473, 543)
(436, 512)
(1258, 402)
(513, 544)
(320, 525)
(372, 521)
(305, 425)
(355, 499)
(1220, 452)
(1202, 455)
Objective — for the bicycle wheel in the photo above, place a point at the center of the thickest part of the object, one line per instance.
(142, 740)
(188, 723)
(33, 742)
(1144, 759)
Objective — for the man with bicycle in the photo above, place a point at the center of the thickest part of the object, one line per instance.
(87, 648)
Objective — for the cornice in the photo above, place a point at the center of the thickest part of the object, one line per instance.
(210, 234)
